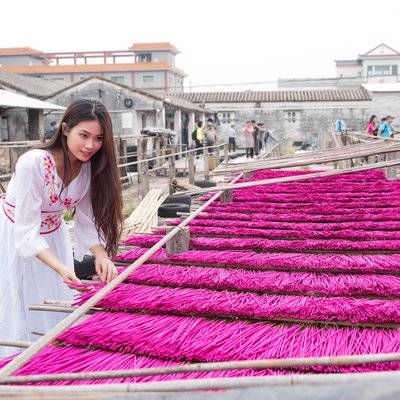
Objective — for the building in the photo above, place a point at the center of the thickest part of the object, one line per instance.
(378, 65)
(292, 115)
(21, 112)
(131, 109)
(142, 66)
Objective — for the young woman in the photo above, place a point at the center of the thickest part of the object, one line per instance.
(372, 127)
(75, 170)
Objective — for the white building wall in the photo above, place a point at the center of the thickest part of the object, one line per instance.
(158, 79)
(349, 71)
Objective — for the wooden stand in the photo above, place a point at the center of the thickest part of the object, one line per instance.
(180, 242)
(226, 196)
(191, 167)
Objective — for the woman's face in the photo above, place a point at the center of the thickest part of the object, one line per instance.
(84, 140)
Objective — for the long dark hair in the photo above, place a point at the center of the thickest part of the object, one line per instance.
(105, 186)
(371, 120)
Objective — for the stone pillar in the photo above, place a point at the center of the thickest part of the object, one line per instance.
(191, 128)
(180, 242)
(160, 118)
(178, 126)
(35, 124)
(135, 123)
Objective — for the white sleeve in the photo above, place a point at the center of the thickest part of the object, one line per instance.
(29, 184)
(86, 234)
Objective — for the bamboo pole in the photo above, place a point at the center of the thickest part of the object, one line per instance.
(25, 356)
(359, 359)
(184, 385)
(315, 158)
(15, 343)
(308, 322)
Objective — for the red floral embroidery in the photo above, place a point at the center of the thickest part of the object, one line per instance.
(50, 174)
(69, 203)
(51, 222)
(50, 179)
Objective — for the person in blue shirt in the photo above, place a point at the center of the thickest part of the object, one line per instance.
(340, 126)
(386, 130)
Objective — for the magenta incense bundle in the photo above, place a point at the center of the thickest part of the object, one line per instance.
(330, 263)
(198, 339)
(228, 304)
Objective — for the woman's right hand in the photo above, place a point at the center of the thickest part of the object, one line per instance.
(69, 278)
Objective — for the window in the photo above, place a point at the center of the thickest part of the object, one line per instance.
(382, 70)
(148, 78)
(227, 117)
(291, 116)
(144, 57)
(118, 78)
(4, 129)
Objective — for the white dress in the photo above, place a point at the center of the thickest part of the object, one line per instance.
(31, 221)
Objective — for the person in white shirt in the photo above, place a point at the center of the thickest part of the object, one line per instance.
(75, 170)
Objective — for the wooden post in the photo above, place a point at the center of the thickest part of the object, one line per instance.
(226, 196)
(145, 179)
(142, 167)
(122, 152)
(158, 154)
(171, 172)
(226, 153)
(180, 242)
(191, 167)
(217, 151)
(391, 172)
(205, 163)
(139, 158)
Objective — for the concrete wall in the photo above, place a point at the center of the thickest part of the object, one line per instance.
(17, 124)
(19, 60)
(158, 80)
(387, 103)
(127, 77)
(310, 119)
(132, 79)
(349, 70)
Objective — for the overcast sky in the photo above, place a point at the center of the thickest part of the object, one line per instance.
(221, 42)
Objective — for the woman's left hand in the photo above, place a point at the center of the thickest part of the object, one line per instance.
(105, 269)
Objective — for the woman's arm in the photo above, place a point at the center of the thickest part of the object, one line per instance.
(87, 238)
(48, 258)
(29, 243)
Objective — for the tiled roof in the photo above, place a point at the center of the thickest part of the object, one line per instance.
(62, 69)
(162, 46)
(283, 96)
(19, 51)
(35, 87)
